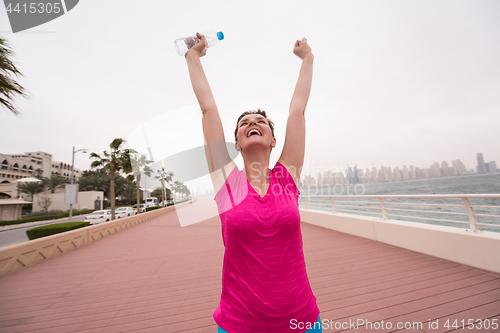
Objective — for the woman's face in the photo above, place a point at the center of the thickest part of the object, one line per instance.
(254, 131)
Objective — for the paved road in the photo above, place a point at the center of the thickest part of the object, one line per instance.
(16, 233)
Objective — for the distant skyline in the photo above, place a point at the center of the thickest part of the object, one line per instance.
(354, 174)
(395, 82)
(400, 165)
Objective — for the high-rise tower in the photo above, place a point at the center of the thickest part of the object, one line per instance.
(481, 168)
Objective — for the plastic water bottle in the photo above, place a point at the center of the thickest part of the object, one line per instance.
(182, 45)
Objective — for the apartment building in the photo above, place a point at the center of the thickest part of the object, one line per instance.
(37, 164)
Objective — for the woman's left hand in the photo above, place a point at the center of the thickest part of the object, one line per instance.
(301, 49)
(200, 49)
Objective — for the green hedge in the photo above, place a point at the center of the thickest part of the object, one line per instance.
(185, 200)
(157, 207)
(46, 217)
(53, 229)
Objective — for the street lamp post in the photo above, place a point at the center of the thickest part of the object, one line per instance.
(72, 172)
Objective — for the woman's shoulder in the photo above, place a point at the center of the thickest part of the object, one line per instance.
(235, 186)
(285, 179)
(281, 171)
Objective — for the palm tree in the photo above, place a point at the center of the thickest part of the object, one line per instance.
(120, 185)
(53, 182)
(180, 189)
(184, 191)
(31, 188)
(114, 162)
(94, 182)
(130, 187)
(164, 176)
(175, 187)
(8, 86)
(140, 166)
(156, 193)
(187, 191)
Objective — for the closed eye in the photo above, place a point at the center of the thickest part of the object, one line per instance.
(260, 121)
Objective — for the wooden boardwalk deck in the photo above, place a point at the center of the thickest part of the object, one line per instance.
(159, 277)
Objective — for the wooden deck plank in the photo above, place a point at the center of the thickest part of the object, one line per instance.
(493, 324)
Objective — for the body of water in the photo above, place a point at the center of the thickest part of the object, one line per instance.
(475, 184)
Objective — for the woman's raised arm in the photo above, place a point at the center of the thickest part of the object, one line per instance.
(219, 162)
(292, 156)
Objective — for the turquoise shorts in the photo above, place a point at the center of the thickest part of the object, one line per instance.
(315, 329)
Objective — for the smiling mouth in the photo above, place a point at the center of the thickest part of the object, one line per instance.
(253, 132)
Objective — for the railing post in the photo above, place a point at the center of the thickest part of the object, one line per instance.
(472, 215)
(384, 209)
(333, 205)
(305, 202)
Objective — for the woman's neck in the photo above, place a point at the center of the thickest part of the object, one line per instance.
(257, 172)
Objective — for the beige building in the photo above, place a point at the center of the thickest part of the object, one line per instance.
(39, 164)
(339, 179)
(459, 167)
(405, 173)
(319, 180)
(426, 172)
(413, 172)
(397, 175)
(374, 174)
(385, 173)
(309, 181)
(367, 177)
(435, 170)
(328, 179)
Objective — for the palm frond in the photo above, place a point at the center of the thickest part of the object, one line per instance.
(96, 164)
(31, 188)
(54, 182)
(130, 178)
(116, 143)
(8, 86)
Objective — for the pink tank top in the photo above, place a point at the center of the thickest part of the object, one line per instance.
(264, 280)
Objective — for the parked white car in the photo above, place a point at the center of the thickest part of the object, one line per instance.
(124, 212)
(99, 216)
(142, 208)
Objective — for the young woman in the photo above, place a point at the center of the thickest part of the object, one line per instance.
(265, 287)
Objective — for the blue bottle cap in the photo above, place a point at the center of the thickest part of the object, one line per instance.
(220, 35)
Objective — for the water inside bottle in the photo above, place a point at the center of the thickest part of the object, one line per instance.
(191, 41)
(182, 45)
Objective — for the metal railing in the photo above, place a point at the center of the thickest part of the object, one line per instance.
(475, 211)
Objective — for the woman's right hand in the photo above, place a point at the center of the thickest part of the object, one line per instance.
(198, 49)
(302, 49)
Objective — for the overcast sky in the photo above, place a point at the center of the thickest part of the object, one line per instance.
(395, 82)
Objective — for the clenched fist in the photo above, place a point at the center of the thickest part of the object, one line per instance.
(301, 49)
